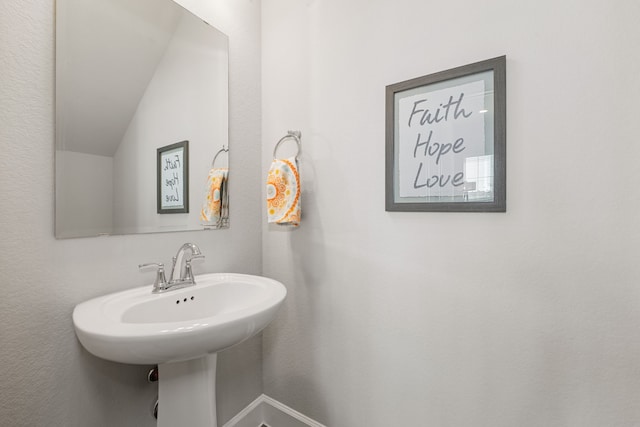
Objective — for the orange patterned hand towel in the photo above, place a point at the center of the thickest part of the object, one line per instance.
(283, 192)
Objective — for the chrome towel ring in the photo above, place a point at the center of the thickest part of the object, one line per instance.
(291, 134)
(222, 150)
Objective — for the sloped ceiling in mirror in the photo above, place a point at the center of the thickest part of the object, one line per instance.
(100, 100)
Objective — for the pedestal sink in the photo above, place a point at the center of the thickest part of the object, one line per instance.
(181, 331)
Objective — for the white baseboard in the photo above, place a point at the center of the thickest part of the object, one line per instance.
(268, 411)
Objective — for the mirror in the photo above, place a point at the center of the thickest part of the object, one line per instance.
(133, 80)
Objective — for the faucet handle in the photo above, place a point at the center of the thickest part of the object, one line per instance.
(158, 265)
(188, 271)
(161, 281)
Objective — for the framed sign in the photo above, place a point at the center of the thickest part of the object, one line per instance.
(446, 140)
(173, 178)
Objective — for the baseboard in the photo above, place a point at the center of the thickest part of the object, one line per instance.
(251, 416)
(267, 411)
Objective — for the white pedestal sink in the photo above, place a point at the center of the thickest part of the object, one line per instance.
(181, 331)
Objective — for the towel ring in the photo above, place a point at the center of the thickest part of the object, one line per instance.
(222, 150)
(291, 134)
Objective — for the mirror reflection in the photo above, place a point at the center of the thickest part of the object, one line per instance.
(141, 112)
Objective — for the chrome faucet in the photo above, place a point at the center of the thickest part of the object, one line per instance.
(178, 272)
(181, 271)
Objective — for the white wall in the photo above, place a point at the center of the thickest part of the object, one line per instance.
(47, 379)
(84, 194)
(175, 107)
(525, 318)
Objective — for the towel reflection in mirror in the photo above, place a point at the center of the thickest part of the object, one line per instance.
(215, 207)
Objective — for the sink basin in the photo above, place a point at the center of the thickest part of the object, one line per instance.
(181, 331)
(138, 327)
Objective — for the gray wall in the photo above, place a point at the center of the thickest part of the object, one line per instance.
(527, 318)
(46, 378)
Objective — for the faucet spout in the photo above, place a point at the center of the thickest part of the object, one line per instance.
(180, 272)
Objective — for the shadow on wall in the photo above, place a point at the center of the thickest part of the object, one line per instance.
(108, 387)
(317, 309)
(308, 260)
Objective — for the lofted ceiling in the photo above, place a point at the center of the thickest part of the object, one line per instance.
(106, 54)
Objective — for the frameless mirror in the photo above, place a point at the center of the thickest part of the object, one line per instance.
(141, 113)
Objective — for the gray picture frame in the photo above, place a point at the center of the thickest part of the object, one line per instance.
(493, 72)
(176, 180)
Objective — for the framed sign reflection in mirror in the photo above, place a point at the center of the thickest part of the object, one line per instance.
(173, 178)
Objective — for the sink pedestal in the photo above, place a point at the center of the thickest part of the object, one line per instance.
(187, 393)
(137, 326)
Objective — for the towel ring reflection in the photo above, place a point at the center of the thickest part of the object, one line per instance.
(291, 134)
(222, 150)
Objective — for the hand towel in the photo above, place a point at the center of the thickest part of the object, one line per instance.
(283, 192)
(214, 206)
